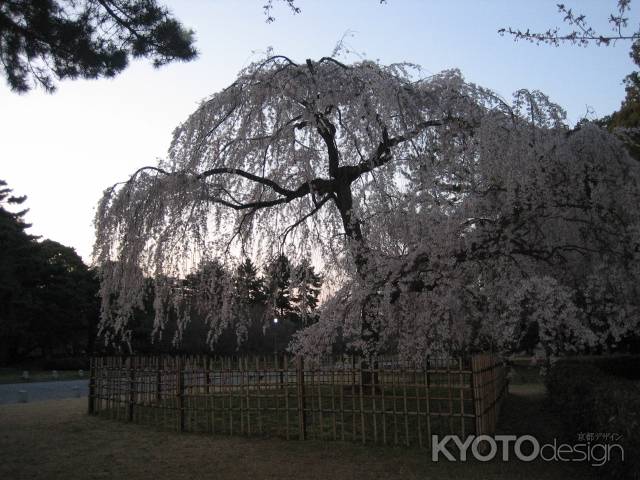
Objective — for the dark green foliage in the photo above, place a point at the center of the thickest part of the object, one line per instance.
(48, 303)
(67, 363)
(247, 283)
(257, 301)
(628, 116)
(591, 400)
(309, 284)
(44, 40)
(293, 291)
(17, 276)
(622, 366)
(278, 287)
(66, 303)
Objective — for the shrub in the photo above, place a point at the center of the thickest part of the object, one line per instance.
(591, 399)
(625, 366)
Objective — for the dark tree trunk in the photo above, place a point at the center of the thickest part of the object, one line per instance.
(353, 231)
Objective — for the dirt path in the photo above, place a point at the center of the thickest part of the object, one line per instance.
(39, 391)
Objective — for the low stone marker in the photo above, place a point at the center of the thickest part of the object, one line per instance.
(23, 396)
(81, 373)
(25, 375)
(55, 375)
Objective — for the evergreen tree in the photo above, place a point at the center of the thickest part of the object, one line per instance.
(308, 286)
(248, 286)
(17, 275)
(48, 298)
(278, 286)
(45, 40)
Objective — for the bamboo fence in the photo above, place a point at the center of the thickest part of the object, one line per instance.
(384, 402)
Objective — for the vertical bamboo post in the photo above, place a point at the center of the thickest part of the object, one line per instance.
(186, 393)
(427, 393)
(99, 372)
(259, 390)
(477, 404)
(111, 387)
(230, 385)
(107, 385)
(180, 392)
(122, 394)
(284, 366)
(117, 385)
(449, 396)
(403, 373)
(461, 387)
(282, 363)
(92, 385)
(132, 387)
(375, 381)
(159, 381)
(395, 409)
(384, 408)
(320, 413)
(114, 387)
(278, 380)
(341, 390)
(241, 395)
(209, 403)
(302, 416)
(362, 423)
(416, 389)
(247, 394)
(496, 393)
(333, 400)
(353, 399)
(309, 389)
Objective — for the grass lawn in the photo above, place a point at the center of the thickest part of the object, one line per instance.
(12, 375)
(56, 439)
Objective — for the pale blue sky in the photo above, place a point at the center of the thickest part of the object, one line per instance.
(62, 150)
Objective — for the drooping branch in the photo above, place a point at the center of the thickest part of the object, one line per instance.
(383, 153)
(583, 33)
(306, 216)
(249, 176)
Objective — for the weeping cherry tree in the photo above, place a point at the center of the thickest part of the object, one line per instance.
(444, 217)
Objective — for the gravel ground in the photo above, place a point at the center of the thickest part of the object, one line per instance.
(39, 391)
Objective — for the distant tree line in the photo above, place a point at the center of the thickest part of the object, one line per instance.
(268, 309)
(48, 303)
(50, 309)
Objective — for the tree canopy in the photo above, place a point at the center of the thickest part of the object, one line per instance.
(47, 40)
(48, 296)
(446, 217)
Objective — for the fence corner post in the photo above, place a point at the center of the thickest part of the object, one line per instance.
(92, 385)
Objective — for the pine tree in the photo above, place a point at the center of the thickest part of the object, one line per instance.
(278, 287)
(248, 285)
(16, 247)
(47, 40)
(308, 286)
(47, 294)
